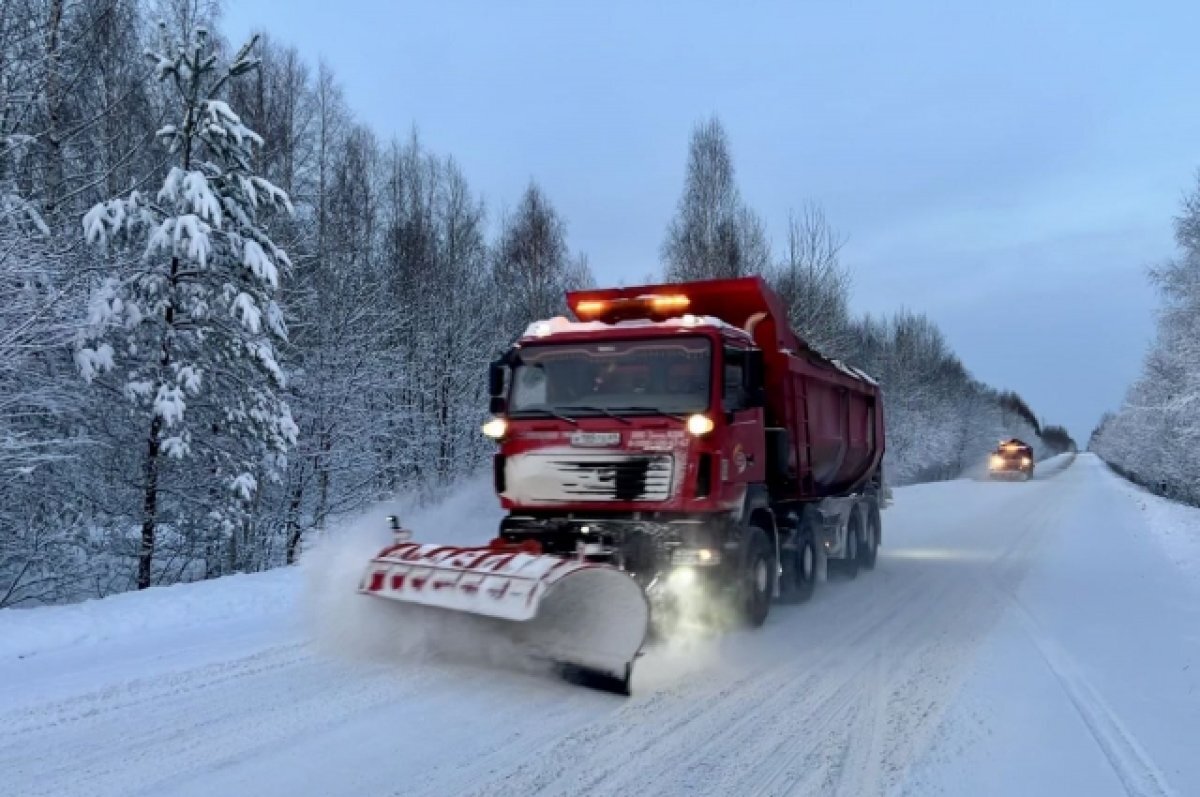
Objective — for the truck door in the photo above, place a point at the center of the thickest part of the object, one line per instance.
(743, 456)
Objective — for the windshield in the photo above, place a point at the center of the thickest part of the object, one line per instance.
(670, 376)
(1012, 451)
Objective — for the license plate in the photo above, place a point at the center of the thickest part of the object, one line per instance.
(595, 439)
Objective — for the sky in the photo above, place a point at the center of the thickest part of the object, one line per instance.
(1010, 169)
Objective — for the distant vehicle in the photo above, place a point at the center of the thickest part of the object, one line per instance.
(1012, 459)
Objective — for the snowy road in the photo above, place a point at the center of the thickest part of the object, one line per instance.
(1038, 638)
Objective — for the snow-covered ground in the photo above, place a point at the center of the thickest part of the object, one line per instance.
(1016, 639)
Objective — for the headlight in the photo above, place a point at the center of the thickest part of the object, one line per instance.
(495, 428)
(700, 425)
(681, 578)
(1026, 462)
(703, 557)
(997, 461)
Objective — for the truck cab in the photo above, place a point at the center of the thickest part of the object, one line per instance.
(633, 418)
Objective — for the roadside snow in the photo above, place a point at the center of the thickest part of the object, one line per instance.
(469, 516)
(24, 632)
(1176, 527)
(1090, 681)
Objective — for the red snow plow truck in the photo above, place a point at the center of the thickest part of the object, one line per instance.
(675, 453)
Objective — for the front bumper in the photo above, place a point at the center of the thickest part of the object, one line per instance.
(648, 547)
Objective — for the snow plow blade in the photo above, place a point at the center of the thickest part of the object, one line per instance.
(589, 618)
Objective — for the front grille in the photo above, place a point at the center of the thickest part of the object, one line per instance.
(596, 477)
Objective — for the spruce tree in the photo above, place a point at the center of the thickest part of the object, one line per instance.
(185, 324)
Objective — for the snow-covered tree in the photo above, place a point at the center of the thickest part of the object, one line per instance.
(448, 319)
(813, 284)
(186, 322)
(941, 421)
(1154, 438)
(714, 234)
(533, 266)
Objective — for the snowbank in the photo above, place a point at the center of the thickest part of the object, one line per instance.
(469, 515)
(1175, 526)
(27, 631)
(1051, 466)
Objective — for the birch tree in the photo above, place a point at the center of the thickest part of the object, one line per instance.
(533, 265)
(714, 234)
(812, 282)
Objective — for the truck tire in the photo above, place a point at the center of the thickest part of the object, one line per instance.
(753, 596)
(847, 565)
(868, 551)
(799, 572)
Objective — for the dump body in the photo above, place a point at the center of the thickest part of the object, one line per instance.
(832, 413)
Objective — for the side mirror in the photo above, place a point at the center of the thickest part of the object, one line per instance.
(496, 379)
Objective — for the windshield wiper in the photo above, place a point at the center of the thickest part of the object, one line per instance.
(655, 410)
(543, 411)
(589, 408)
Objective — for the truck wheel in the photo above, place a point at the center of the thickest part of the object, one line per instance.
(869, 550)
(757, 577)
(800, 572)
(848, 564)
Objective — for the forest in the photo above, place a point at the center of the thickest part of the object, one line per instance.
(1154, 437)
(231, 313)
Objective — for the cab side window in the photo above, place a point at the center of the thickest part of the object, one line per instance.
(733, 394)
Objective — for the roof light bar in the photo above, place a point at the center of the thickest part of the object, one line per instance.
(652, 305)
